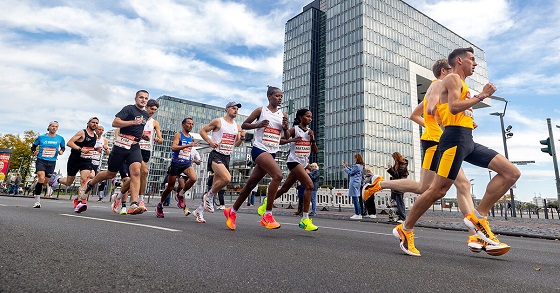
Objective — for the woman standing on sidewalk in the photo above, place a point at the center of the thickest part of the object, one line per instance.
(355, 183)
(399, 170)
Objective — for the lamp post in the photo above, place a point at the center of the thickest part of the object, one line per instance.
(472, 188)
(506, 133)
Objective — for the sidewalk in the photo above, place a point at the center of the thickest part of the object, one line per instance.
(521, 227)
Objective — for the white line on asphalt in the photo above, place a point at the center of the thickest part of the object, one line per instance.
(342, 229)
(4, 205)
(121, 222)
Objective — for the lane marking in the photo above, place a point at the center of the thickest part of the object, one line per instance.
(343, 229)
(122, 222)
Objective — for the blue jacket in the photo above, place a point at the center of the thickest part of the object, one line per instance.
(355, 179)
(314, 174)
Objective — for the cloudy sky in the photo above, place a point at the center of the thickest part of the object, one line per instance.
(70, 60)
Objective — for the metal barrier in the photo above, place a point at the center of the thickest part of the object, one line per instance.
(289, 198)
(341, 199)
(324, 198)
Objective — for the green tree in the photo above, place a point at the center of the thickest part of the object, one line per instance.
(22, 157)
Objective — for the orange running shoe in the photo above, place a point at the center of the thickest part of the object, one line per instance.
(269, 222)
(407, 240)
(477, 244)
(482, 228)
(230, 218)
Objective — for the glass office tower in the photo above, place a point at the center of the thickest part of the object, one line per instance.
(362, 66)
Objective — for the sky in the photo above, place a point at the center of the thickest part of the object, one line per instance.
(71, 60)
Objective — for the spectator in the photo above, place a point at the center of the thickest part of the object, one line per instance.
(370, 202)
(355, 183)
(300, 190)
(251, 199)
(101, 190)
(17, 181)
(314, 174)
(398, 171)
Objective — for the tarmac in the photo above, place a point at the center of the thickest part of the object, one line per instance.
(438, 219)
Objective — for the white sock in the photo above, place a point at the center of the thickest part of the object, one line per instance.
(200, 208)
(140, 198)
(478, 215)
(233, 210)
(305, 215)
(38, 198)
(267, 212)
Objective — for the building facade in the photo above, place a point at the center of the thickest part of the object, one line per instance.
(362, 66)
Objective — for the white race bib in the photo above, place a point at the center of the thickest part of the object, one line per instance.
(271, 137)
(124, 141)
(227, 143)
(48, 152)
(303, 148)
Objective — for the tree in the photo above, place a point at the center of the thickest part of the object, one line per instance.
(22, 157)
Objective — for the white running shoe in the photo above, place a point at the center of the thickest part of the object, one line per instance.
(37, 205)
(208, 202)
(356, 217)
(123, 211)
(199, 216)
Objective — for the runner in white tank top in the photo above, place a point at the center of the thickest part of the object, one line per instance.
(226, 134)
(302, 144)
(272, 124)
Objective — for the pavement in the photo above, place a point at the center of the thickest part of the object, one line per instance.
(448, 220)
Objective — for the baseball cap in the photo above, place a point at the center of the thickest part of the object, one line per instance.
(92, 119)
(231, 104)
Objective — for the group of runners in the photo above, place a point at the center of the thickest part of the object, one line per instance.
(446, 114)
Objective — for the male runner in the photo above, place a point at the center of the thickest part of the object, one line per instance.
(429, 141)
(455, 146)
(146, 147)
(101, 144)
(181, 158)
(226, 134)
(50, 146)
(131, 120)
(82, 146)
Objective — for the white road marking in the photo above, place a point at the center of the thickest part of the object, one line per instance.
(121, 222)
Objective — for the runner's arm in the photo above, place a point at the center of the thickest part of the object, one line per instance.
(248, 123)
(214, 125)
(72, 142)
(159, 137)
(416, 115)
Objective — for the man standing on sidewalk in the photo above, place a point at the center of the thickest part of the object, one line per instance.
(131, 120)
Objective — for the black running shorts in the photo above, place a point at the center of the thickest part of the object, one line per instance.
(219, 158)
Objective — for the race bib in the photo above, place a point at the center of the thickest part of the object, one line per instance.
(48, 152)
(226, 145)
(88, 154)
(271, 137)
(303, 148)
(124, 141)
(144, 144)
(185, 154)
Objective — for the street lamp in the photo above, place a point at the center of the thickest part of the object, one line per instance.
(472, 188)
(505, 135)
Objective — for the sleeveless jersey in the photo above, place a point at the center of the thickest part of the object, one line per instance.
(300, 151)
(49, 146)
(182, 156)
(96, 156)
(432, 130)
(87, 144)
(148, 131)
(268, 138)
(225, 137)
(463, 119)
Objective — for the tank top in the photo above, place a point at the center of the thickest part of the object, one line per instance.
(225, 137)
(463, 119)
(148, 131)
(432, 131)
(182, 156)
(87, 144)
(300, 151)
(96, 156)
(268, 138)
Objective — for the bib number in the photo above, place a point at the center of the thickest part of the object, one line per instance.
(124, 141)
(271, 137)
(48, 152)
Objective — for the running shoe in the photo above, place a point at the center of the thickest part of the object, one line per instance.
(477, 244)
(268, 222)
(84, 189)
(262, 208)
(53, 181)
(186, 211)
(199, 216)
(37, 205)
(116, 203)
(123, 211)
(142, 205)
(407, 240)
(374, 187)
(180, 201)
(159, 211)
(208, 202)
(221, 207)
(230, 218)
(482, 228)
(307, 225)
(134, 209)
(76, 202)
(81, 207)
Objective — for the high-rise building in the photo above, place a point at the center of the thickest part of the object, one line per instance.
(362, 66)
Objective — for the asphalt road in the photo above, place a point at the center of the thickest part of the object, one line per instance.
(52, 249)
